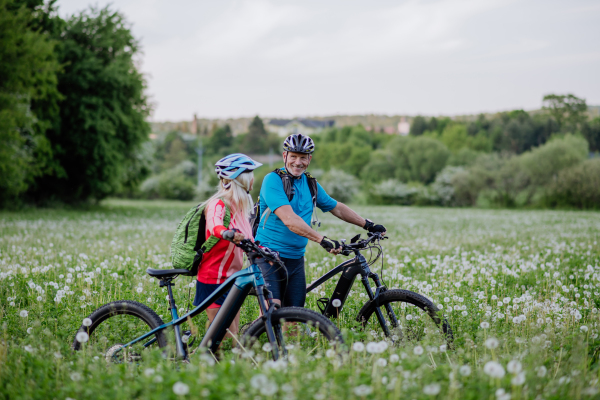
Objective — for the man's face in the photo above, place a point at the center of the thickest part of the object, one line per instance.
(296, 163)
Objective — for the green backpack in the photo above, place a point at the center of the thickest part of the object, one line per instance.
(189, 243)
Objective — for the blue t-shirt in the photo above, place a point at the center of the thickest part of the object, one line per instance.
(274, 234)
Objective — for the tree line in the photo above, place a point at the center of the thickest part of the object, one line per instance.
(73, 107)
(511, 159)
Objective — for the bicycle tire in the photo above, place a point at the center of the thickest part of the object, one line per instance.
(295, 314)
(406, 296)
(123, 307)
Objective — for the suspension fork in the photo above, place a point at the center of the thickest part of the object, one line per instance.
(365, 281)
(390, 312)
(266, 317)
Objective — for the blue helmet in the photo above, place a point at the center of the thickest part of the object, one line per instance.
(231, 166)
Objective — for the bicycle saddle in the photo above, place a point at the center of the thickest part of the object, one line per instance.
(165, 273)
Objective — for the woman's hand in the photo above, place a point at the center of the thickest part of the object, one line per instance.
(233, 235)
(238, 237)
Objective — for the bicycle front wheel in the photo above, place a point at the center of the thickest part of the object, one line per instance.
(417, 317)
(297, 328)
(117, 323)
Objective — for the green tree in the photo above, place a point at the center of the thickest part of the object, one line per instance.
(255, 141)
(380, 167)
(220, 140)
(591, 132)
(577, 186)
(418, 126)
(103, 113)
(27, 79)
(567, 110)
(418, 159)
(545, 162)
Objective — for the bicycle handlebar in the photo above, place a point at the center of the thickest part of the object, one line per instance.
(254, 250)
(361, 244)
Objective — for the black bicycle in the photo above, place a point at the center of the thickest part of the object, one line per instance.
(410, 316)
(119, 330)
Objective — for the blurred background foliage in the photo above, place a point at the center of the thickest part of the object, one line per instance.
(73, 128)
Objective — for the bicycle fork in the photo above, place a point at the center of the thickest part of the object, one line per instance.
(275, 336)
(375, 297)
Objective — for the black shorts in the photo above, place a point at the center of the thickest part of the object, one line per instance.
(287, 285)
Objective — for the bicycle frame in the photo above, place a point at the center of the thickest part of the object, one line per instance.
(239, 285)
(350, 269)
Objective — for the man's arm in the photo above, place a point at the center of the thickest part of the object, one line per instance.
(347, 214)
(297, 224)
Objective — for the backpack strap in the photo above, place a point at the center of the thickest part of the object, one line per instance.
(212, 240)
(314, 190)
(312, 186)
(288, 185)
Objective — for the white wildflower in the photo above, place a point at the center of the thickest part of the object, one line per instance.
(363, 390)
(494, 369)
(358, 346)
(432, 389)
(181, 389)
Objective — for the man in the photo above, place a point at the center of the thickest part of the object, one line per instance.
(284, 224)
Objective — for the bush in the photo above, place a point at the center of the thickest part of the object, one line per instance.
(544, 163)
(442, 189)
(380, 167)
(419, 159)
(340, 185)
(393, 191)
(178, 183)
(578, 186)
(467, 186)
(464, 157)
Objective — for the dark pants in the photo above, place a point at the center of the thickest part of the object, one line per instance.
(287, 285)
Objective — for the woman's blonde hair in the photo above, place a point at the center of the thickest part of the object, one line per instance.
(236, 194)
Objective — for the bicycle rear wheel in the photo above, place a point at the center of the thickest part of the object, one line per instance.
(311, 332)
(418, 318)
(117, 323)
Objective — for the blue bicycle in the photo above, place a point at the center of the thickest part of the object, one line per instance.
(119, 330)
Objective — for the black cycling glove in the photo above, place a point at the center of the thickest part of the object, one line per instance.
(371, 227)
(329, 244)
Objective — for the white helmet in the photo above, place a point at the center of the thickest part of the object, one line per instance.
(231, 166)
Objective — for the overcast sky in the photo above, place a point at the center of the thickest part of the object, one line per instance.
(301, 58)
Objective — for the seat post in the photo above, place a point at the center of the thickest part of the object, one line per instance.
(181, 352)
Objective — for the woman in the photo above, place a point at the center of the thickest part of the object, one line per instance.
(224, 259)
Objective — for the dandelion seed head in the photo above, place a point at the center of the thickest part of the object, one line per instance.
(363, 390)
(494, 369)
(358, 346)
(82, 337)
(181, 389)
(432, 389)
(465, 370)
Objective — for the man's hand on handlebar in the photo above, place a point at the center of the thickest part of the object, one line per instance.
(331, 246)
(373, 228)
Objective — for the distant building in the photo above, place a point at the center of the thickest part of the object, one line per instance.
(403, 126)
(194, 128)
(286, 127)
